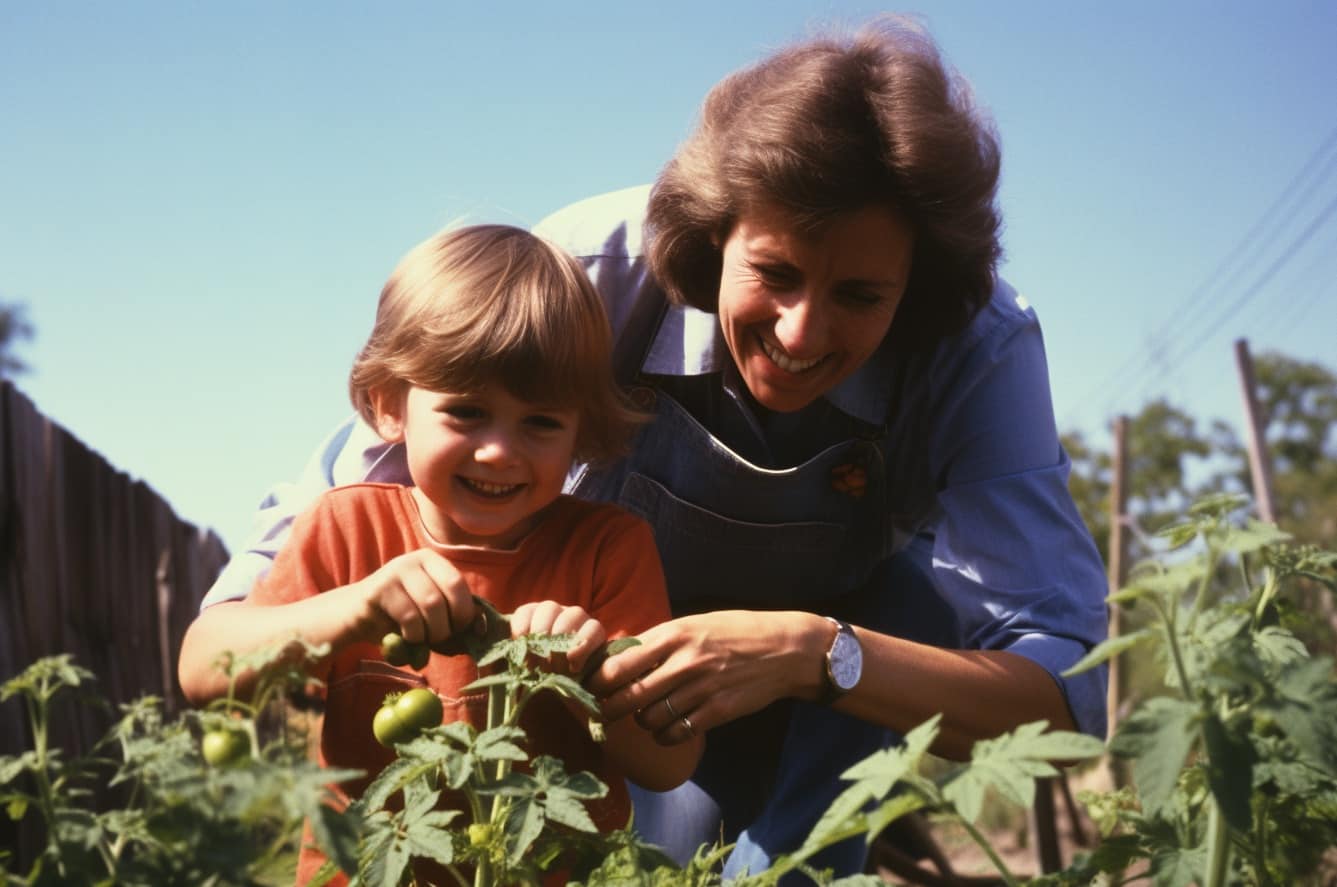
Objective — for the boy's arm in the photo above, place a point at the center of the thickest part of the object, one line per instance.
(287, 603)
(329, 585)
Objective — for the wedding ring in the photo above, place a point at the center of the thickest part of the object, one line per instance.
(688, 724)
(669, 706)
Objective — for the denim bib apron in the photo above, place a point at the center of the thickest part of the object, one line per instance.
(733, 534)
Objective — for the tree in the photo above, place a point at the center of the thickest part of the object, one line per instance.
(1298, 402)
(14, 326)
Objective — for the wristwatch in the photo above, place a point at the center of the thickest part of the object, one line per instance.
(844, 663)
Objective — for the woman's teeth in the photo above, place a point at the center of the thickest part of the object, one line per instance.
(785, 362)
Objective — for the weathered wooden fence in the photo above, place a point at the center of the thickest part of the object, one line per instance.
(92, 563)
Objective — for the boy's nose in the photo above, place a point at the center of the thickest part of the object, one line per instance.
(494, 449)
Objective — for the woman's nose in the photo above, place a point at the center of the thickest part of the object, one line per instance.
(801, 326)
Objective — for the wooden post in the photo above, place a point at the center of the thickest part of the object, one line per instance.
(1117, 571)
(1260, 465)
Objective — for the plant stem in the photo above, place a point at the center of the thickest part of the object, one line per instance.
(1172, 642)
(989, 851)
(1218, 847)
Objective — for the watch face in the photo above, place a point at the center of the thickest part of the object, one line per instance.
(846, 661)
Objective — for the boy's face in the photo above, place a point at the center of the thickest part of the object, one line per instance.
(484, 464)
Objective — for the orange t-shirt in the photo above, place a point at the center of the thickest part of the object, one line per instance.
(594, 555)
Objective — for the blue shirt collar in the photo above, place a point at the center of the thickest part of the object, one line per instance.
(690, 343)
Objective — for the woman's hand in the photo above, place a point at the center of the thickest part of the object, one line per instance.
(696, 672)
(419, 594)
(550, 617)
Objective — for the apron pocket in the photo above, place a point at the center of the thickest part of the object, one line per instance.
(712, 561)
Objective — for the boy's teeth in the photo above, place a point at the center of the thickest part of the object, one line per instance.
(785, 362)
(490, 489)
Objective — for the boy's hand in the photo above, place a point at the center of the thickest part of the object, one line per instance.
(420, 595)
(550, 617)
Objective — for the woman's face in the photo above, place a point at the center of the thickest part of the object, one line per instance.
(801, 312)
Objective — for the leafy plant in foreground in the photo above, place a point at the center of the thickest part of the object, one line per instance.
(1235, 769)
(179, 820)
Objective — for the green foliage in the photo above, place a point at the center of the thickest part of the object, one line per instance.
(182, 821)
(469, 801)
(1235, 768)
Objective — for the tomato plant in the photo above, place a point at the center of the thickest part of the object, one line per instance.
(1234, 770)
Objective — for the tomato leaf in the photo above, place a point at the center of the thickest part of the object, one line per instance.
(1110, 648)
(1158, 736)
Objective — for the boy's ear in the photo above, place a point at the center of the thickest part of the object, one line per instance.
(387, 402)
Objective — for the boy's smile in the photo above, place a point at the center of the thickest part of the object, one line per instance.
(484, 464)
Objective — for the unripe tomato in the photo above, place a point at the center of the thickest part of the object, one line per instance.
(402, 718)
(398, 652)
(480, 834)
(223, 747)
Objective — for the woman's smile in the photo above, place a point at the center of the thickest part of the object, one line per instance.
(784, 361)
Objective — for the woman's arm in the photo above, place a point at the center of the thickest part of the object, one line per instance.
(715, 667)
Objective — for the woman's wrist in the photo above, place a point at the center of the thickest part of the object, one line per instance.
(811, 638)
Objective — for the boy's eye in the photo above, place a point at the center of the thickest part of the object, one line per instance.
(462, 412)
(545, 423)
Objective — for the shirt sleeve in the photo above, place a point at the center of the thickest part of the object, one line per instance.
(1009, 550)
(351, 454)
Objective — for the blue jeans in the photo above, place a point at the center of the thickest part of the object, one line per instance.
(767, 778)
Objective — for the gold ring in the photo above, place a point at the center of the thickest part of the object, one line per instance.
(688, 724)
(669, 706)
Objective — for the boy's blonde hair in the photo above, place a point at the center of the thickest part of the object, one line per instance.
(495, 304)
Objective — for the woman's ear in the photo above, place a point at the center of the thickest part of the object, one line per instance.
(387, 402)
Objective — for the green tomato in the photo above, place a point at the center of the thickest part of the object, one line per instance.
(400, 719)
(480, 834)
(399, 652)
(223, 747)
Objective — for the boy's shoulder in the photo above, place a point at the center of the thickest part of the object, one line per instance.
(587, 516)
(367, 500)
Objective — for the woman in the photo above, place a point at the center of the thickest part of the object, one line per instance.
(851, 419)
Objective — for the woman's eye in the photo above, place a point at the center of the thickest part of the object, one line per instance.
(775, 277)
(862, 297)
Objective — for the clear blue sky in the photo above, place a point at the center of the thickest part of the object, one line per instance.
(200, 201)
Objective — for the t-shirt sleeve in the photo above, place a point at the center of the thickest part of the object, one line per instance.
(629, 594)
(314, 559)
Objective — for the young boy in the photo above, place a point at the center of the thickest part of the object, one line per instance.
(489, 361)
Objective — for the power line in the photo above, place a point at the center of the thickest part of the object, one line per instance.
(1277, 264)
(1244, 249)
(1310, 285)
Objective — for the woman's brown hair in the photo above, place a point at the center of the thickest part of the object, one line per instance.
(495, 304)
(833, 125)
